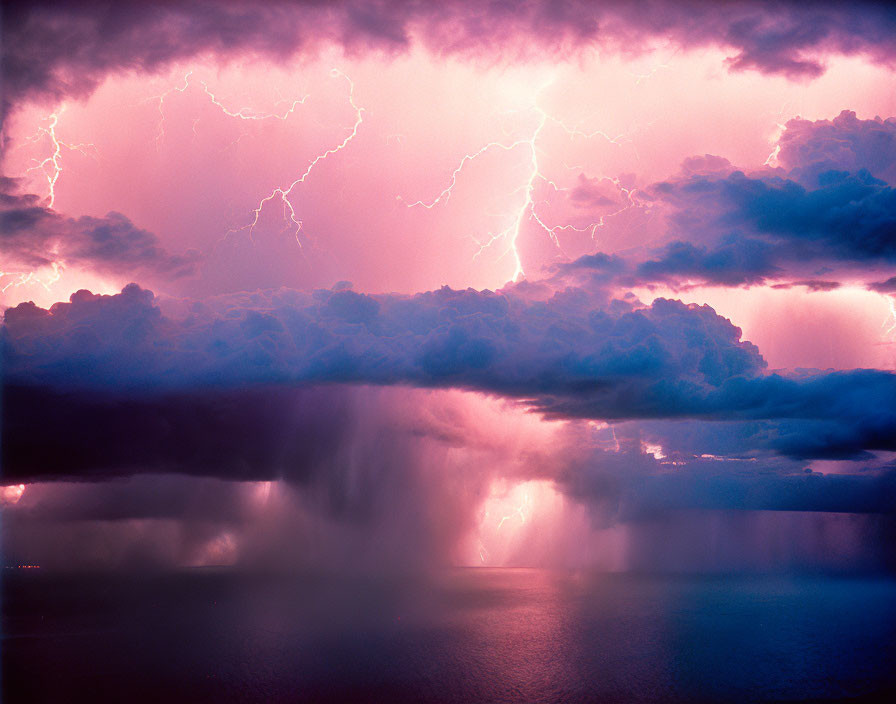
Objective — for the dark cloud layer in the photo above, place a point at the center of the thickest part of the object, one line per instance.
(332, 477)
(634, 486)
(252, 434)
(573, 343)
(33, 236)
(110, 384)
(66, 49)
(847, 217)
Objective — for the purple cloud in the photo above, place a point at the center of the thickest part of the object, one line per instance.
(32, 236)
(826, 208)
(66, 50)
(109, 361)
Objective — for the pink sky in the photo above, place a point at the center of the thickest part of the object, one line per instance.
(196, 173)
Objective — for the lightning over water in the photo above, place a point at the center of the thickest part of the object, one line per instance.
(447, 352)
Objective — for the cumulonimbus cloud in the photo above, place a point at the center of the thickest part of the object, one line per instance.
(824, 209)
(574, 355)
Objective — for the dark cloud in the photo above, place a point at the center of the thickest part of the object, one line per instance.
(846, 217)
(110, 384)
(66, 49)
(810, 285)
(572, 343)
(888, 286)
(825, 210)
(252, 434)
(33, 235)
(832, 414)
(139, 497)
(735, 261)
(276, 477)
(633, 486)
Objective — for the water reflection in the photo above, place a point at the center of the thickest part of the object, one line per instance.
(501, 635)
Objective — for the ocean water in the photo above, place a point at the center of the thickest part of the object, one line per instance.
(466, 635)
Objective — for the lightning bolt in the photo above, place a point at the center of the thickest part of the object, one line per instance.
(527, 210)
(483, 553)
(160, 130)
(51, 166)
(889, 324)
(576, 132)
(518, 511)
(645, 76)
(601, 222)
(244, 113)
(249, 114)
(23, 278)
(598, 426)
(27, 277)
(283, 193)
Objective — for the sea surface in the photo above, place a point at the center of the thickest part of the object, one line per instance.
(466, 635)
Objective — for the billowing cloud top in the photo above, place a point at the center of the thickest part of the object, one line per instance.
(828, 206)
(572, 355)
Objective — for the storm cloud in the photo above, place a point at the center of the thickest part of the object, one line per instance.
(825, 210)
(62, 51)
(33, 235)
(111, 384)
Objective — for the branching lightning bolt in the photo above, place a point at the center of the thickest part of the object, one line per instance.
(249, 114)
(518, 511)
(160, 130)
(284, 192)
(27, 277)
(244, 113)
(645, 76)
(51, 167)
(527, 210)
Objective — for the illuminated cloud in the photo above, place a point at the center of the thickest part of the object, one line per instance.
(846, 143)
(33, 235)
